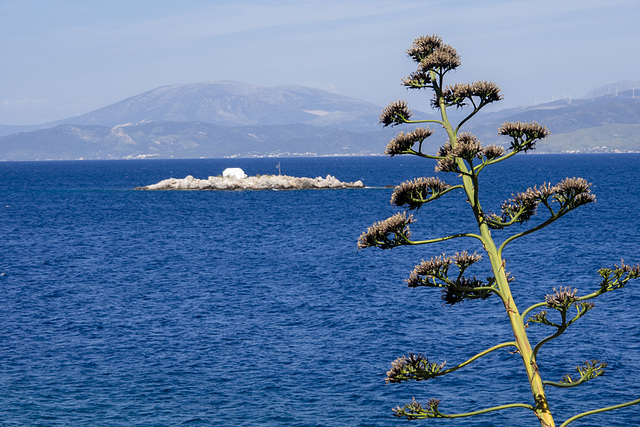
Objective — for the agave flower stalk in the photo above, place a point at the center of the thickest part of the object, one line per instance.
(464, 157)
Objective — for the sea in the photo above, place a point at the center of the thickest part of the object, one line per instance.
(122, 307)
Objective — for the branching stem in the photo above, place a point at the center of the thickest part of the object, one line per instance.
(484, 411)
(479, 355)
(597, 411)
(442, 239)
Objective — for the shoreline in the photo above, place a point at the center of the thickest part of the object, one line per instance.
(261, 182)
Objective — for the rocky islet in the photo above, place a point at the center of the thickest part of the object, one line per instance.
(263, 182)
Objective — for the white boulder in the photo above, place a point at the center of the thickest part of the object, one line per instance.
(236, 173)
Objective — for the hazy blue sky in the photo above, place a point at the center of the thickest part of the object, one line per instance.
(61, 58)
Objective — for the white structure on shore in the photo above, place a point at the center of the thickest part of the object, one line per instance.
(236, 173)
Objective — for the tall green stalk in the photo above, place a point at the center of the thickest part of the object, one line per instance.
(466, 158)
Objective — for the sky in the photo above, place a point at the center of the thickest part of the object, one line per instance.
(62, 58)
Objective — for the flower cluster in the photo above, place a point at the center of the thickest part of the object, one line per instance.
(393, 231)
(417, 192)
(467, 147)
(492, 151)
(417, 80)
(524, 135)
(460, 93)
(617, 277)
(424, 46)
(437, 267)
(570, 193)
(435, 273)
(414, 410)
(403, 142)
(444, 58)
(465, 289)
(574, 192)
(397, 112)
(562, 299)
(448, 161)
(522, 206)
(432, 56)
(588, 371)
(414, 367)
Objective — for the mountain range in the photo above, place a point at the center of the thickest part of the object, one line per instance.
(232, 119)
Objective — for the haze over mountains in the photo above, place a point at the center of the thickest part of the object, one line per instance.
(227, 119)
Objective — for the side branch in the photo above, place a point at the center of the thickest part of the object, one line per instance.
(440, 122)
(588, 370)
(481, 354)
(526, 232)
(442, 239)
(528, 310)
(597, 411)
(419, 368)
(415, 411)
(487, 410)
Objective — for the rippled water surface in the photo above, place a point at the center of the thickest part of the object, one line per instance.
(125, 307)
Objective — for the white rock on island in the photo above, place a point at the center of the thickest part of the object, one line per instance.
(263, 182)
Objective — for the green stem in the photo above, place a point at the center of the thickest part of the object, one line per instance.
(531, 230)
(424, 156)
(476, 109)
(559, 332)
(423, 121)
(597, 411)
(533, 307)
(484, 411)
(494, 161)
(442, 239)
(479, 355)
(565, 385)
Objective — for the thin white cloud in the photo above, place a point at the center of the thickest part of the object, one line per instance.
(110, 50)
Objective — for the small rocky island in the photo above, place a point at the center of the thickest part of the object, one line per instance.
(236, 179)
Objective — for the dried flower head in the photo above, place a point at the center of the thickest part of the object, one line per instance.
(414, 410)
(463, 259)
(442, 59)
(402, 143)
(463, 289)
(521, 207)
(524, 135)
(460, 93)
(574, 192)
(562, 299)
(588, 370)
(448, 161)
(492, 151)
(417, 80)
(414, 367)
(518, 129)
(617, 277)
(415, 193)
(393, 231)
(437, 266)
(467, 147)
(395, 113)
(424, 46)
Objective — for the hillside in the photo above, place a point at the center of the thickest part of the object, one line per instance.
(237, 104)
(187, 140)
(226, 119)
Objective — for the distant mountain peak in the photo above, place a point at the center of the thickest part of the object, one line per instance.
(234, 104)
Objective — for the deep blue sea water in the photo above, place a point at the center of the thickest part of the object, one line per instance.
(125, 307)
